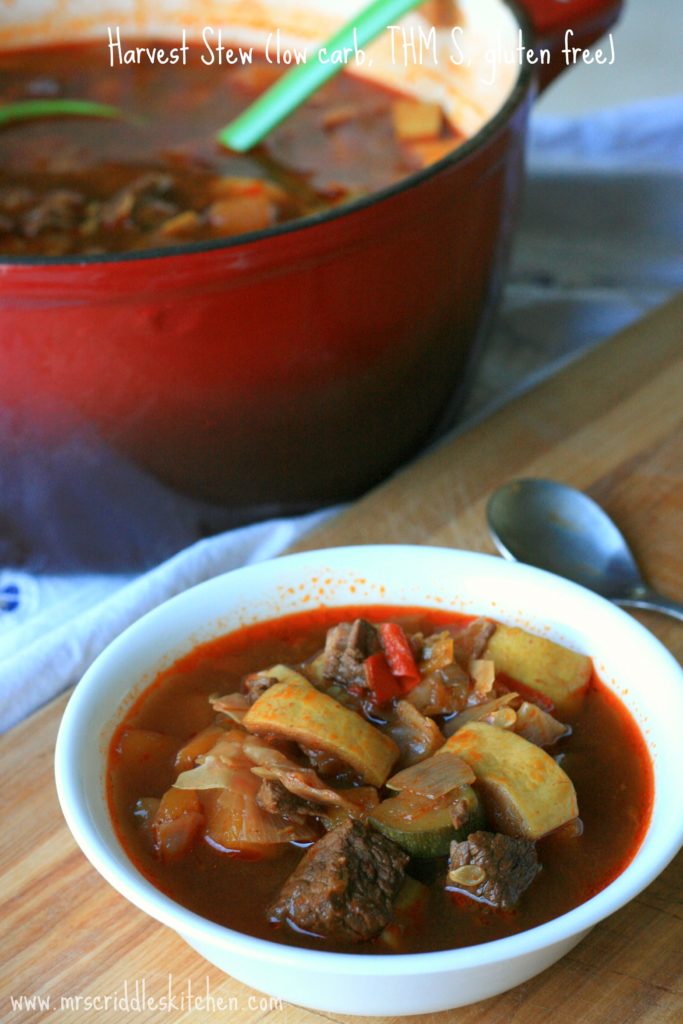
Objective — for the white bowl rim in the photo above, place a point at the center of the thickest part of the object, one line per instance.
(143, 894)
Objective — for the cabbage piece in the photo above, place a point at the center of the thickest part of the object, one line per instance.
(525, 791)
(233, 705)
(234, 819)
(212, 773)
(200, 744)
(224, 765)
(216, 767)
(502, 718)
(301, 782)
(434, 777)
(177, 823)
(295, 710)
(537, 726)
(224, 777)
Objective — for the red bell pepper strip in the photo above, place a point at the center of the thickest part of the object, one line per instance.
(400, 655)
(383, 685)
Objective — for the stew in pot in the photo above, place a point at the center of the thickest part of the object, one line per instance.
(158, 178)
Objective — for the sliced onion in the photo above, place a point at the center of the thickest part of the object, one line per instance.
(196, 747)
(502, 718)
(483, 674)
(229, 771)
(434, 777)
(478, 713)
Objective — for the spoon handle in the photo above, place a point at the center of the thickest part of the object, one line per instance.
(644, 597)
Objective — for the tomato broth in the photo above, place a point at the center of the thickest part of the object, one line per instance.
(605, 757)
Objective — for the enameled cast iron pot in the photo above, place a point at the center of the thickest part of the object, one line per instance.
(297, 366)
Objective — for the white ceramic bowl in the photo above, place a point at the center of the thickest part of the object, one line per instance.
(628, 658)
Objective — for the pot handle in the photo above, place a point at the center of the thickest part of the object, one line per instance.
(551, 20)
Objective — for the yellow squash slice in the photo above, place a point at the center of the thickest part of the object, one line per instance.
(540, 664)
(295, 710)
(525, 791)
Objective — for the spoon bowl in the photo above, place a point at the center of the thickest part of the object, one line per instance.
(555, 527)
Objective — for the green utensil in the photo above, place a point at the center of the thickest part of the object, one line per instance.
(295, 87)
(30, 110)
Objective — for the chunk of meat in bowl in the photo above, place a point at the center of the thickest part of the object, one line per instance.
(346, 648)
(276, 799)
(492, 867)
(345, 886)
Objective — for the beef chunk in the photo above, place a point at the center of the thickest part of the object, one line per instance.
(256, 685)
(274, 798)
(509, 865)
(346, 648)
(345, 886)
(470, 642)
(57, 211)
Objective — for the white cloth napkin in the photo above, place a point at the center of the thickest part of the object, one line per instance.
(67, 623)
(601, 242)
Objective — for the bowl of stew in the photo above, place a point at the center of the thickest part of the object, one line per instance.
(217, 318)
(378, 780)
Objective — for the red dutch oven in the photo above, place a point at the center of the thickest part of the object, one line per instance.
(295, 367)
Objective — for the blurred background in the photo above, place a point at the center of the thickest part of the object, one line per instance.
(649, 41)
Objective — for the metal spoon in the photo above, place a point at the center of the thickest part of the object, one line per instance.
(555, 527)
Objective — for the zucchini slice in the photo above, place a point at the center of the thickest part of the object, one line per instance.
(422, 830)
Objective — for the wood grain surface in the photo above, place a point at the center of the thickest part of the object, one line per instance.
(611, 424)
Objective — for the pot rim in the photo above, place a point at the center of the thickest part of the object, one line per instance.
(459, 155)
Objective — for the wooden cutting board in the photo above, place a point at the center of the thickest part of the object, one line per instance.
(611, 424)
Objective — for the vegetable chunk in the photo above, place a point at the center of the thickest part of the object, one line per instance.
(297, 711)
(424, 827)
(525, 791)
(540, 664)
(416, 120)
